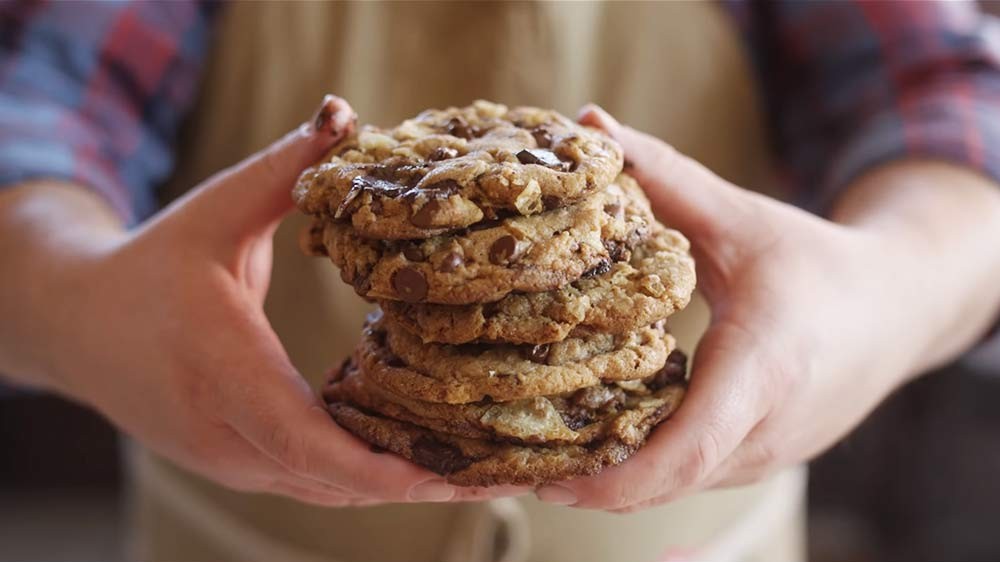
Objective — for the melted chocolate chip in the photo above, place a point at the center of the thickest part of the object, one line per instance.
(396, 362)
(413, 253)
(450, 262)
(541, 157)
(543, 138)
(424, 217)
(673, 372)
(440, 457)
(442, 153)
(539, 353)
(599, 269)
(502, 251)
(616, 251)
(458, 127)
(551, 202)
(410, 284)
(381, 186)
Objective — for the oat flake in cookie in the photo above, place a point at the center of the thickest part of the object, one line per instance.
(448, 169)
(492, 259)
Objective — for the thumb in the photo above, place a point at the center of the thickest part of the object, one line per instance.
(684, 194)
(249, 198)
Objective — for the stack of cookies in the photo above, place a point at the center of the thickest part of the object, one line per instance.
(522, 285)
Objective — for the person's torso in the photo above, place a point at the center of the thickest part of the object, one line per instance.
(675, 70)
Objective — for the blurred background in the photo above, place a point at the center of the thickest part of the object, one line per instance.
(919, 481)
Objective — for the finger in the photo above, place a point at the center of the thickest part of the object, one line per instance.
(278, 413)
(683, 193)
(310, 496)
(249, 198)
(492, 492)
(723, 404)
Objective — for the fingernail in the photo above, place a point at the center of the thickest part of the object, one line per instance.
(556, 494)
(432, 491)
(588, 108)
(323, 119)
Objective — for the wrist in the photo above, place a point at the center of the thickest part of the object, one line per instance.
(49, 232)
(932, 230)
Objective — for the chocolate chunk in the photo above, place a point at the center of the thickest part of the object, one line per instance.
(424, 218)
(542, 137)
(413, 253)
(381, 186)
(450, 262)
(442, 153)
(440, 457)
(551, 202)
(410, 284)
(539, 353)
(616, 251)
(458, 127)
(673, 372)
(394, 361)
(539, 156)
(576, 419)
(615, 210)
(503, 250)
(599, 269)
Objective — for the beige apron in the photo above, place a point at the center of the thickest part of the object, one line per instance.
(673, 69)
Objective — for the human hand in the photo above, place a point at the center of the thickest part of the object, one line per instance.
(813, 322)
(162, 330)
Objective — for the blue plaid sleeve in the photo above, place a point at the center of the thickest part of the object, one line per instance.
(93, 93)
(850, 85)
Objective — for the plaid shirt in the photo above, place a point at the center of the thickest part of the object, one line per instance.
(93, 93)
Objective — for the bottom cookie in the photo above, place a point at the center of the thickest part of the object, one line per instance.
(480, 462)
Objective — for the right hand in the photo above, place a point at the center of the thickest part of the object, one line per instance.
(162, 330)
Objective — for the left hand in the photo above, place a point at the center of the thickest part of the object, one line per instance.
(813, 322)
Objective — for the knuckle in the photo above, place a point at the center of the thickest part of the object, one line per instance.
(703, 458)
(271, 163)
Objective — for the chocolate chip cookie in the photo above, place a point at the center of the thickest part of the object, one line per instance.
(401, 362)
(492, 259)
(479, 462)
(579, 417)
(448, 169)
(656, 282)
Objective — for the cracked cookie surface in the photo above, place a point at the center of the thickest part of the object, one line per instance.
(478, 462)
(398, 361)
(580, 417)
(654, 283)
(493, 259)
(448, 169)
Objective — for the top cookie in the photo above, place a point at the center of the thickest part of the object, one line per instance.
(448, 169)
